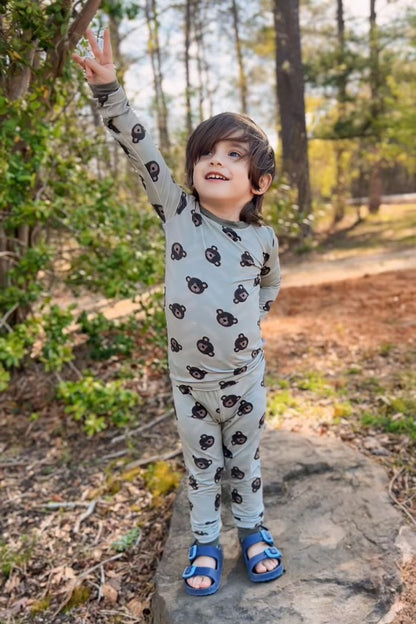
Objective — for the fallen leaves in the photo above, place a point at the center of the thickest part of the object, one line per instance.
(67, 500)
(66, 509)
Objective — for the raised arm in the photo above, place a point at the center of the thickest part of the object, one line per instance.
(128, 130)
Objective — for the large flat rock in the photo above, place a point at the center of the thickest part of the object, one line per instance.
(342, 540)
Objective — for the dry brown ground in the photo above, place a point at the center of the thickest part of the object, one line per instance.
(59, 564)
(333, 327)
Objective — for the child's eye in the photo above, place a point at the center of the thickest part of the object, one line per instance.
(234, 154)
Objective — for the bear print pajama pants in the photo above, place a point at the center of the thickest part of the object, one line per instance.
(220, 431)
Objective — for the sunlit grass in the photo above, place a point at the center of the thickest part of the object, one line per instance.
(316, 382)
(397, 423)
(394, 226)
(280, 402)
(354, 396)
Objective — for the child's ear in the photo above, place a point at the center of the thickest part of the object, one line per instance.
(264, 184)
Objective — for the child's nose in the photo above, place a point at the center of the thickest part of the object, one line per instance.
(215, 159)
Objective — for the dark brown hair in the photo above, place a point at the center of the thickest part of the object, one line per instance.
(260, 153)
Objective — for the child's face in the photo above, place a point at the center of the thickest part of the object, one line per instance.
(221, 176)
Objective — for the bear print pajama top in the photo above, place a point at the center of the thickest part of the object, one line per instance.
(220, 280)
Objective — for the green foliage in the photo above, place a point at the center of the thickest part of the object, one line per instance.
(56, 350)
(120, 244)
(16, 557)
(107, 338)
(278, 403)
(366, 87)
(40, 606)
(117, 9)
(98, 404)
(64, 218)
(154, 323)
(4, 378)
(126, 542)
(388, 419)
(282, 212)
(15, 344)
(80, 595)
(315, 382)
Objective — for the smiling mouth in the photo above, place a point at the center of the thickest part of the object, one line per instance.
(215, 176)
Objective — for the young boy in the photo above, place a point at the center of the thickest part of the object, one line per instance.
(222, 274)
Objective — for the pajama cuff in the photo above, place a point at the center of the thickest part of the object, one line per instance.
(104, 89)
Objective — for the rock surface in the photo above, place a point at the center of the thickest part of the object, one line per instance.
(343, 543)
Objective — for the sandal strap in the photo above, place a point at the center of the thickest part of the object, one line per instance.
(191, 571)
(198, 550)
(268, 553)
(262, 535)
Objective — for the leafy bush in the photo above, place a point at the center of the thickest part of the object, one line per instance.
(68, 217)
(98, 404)
(282, 213)
(107, 338)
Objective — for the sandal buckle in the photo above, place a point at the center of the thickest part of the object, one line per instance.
(189, 572)
(192, 552)
(272, 552)
(266, 535)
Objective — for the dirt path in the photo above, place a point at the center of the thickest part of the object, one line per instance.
(317, 269)
(327, 268)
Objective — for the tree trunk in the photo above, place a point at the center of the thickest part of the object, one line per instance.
(291, 99)
(188, 29)
(152, 19)
(204, 89)
(340, 182)
(376, 184)
(375, 188)
(242, 79)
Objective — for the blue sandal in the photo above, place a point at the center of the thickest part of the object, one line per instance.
(271, 552)
(213, 573)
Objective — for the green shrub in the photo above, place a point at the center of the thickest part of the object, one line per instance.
(98, 404)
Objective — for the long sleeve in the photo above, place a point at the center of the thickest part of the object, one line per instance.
(128, 130)
(269, 277)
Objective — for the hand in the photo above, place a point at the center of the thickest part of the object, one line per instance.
(100, 69)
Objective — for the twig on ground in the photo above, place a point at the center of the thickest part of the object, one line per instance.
(13, 464)
(79, 578)
(53, 506)
(135, 432)
(102, 583)
(85, 515)
(115, 455)
(17, 498)
(154, 458)
(100, 530)
(394, 499)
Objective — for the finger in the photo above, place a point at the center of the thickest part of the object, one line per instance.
(101, 74)
(107, 51)
(95, 48)
(78, 59)
(93, 66)
(89, 74)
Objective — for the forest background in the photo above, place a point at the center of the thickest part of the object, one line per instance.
(336, 93)
(89, 455)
